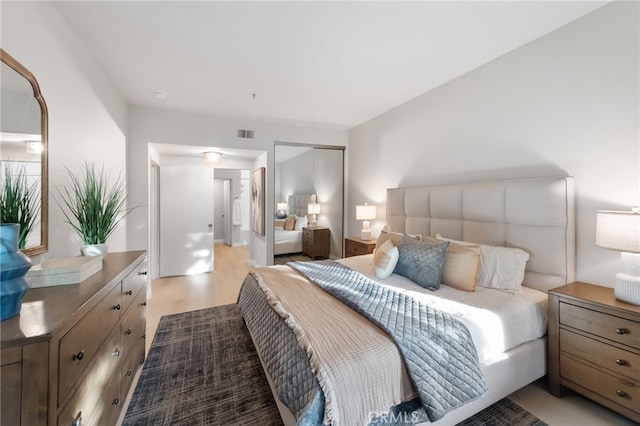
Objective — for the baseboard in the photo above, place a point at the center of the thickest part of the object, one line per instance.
(218, 241)
(239, 244)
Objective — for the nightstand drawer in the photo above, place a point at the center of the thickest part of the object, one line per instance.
(610, 327)
(354, 246)
(623, 392)
(356, 249)
(610, 357)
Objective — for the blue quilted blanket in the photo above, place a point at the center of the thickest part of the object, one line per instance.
(439, 353)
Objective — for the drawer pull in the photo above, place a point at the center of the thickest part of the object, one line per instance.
(78, 420)
(78, 356)
(129, 332)
(128, 373)
(142, 273)
(621, 362)
(621, 331)
(116, 401)
(144, 304)
(129, 293)
(116, 352)
(144, 336)
(621, 393)
(117, 307)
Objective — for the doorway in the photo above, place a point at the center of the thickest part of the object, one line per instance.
(222, 220)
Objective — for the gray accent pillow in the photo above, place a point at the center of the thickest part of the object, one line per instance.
(422, 262)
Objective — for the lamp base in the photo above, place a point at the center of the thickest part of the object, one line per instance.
(627, 288)
(365, 234)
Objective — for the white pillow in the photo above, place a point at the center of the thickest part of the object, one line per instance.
(301, 222)
(385, 259)
(501, 268)
(279, 228)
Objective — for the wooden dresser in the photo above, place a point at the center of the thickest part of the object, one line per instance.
(594, 346)
(315, 242)
(70, 357)
(356, 246)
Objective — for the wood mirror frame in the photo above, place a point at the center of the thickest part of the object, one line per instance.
(44, 164)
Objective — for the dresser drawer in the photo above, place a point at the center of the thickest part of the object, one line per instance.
(79, 346)
(614, 328)
(109, 407)
(610, 357)
(623, 392)
(133, 283)
(133, 358)
(133, 323)
(88, 393)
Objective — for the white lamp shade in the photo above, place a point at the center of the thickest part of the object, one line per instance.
(282, 206)
(313, 208)
(365, 212)
(618, 230)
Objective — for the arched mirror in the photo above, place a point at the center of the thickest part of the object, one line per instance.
(23, 142)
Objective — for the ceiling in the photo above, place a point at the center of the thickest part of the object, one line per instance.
(334, 64)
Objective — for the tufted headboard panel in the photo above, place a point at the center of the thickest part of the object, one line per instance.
(536, 215)
(299, 203)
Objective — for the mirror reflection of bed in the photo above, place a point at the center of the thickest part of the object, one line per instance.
(307, 175)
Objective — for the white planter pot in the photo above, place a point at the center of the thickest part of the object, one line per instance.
(94, 250)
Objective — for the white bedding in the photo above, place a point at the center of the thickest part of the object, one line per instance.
(287, 241)
(498, 321)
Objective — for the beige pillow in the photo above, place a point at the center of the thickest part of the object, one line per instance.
(290, 223)
(502, 268)
(460, 266)
(395, 237)
(279, 223)
(385, 259)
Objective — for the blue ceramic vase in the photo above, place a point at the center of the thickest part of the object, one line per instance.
(13, 267)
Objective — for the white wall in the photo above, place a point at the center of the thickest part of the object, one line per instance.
(87, 116)
(159, 126)
(565, 104)
(296, 175)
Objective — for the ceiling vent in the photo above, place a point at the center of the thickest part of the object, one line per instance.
(245, 133)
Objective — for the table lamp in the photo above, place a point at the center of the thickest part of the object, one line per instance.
(365, 213)
(620, 231)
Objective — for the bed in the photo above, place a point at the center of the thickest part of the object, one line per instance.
(534, 215)
(288, 241)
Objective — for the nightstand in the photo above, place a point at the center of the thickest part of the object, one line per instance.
(594, 346)
(315, 242)
(356, 246)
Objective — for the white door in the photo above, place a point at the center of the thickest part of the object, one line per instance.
(154, 222)
(226, 211)
(186, 220)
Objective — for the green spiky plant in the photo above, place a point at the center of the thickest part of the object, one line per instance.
(19, 202)
(92, 203)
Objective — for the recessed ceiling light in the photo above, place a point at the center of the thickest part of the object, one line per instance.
(160, 94)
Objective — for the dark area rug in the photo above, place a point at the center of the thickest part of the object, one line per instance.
(202, 369)
(283, 259)
(503, 413)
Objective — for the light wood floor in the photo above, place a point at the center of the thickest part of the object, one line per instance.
(182, 294)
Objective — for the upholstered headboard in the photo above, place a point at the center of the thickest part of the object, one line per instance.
(299, 203)
(536, 215)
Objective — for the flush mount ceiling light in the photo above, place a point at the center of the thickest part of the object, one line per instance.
(33, 147)
(160, 94)
(212, 157)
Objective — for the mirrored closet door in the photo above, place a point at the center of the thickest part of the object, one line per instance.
(309, 201)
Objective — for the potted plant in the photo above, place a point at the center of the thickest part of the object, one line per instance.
(94, 205)
(19, 202)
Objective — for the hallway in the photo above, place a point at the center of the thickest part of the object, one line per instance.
(190, 292)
